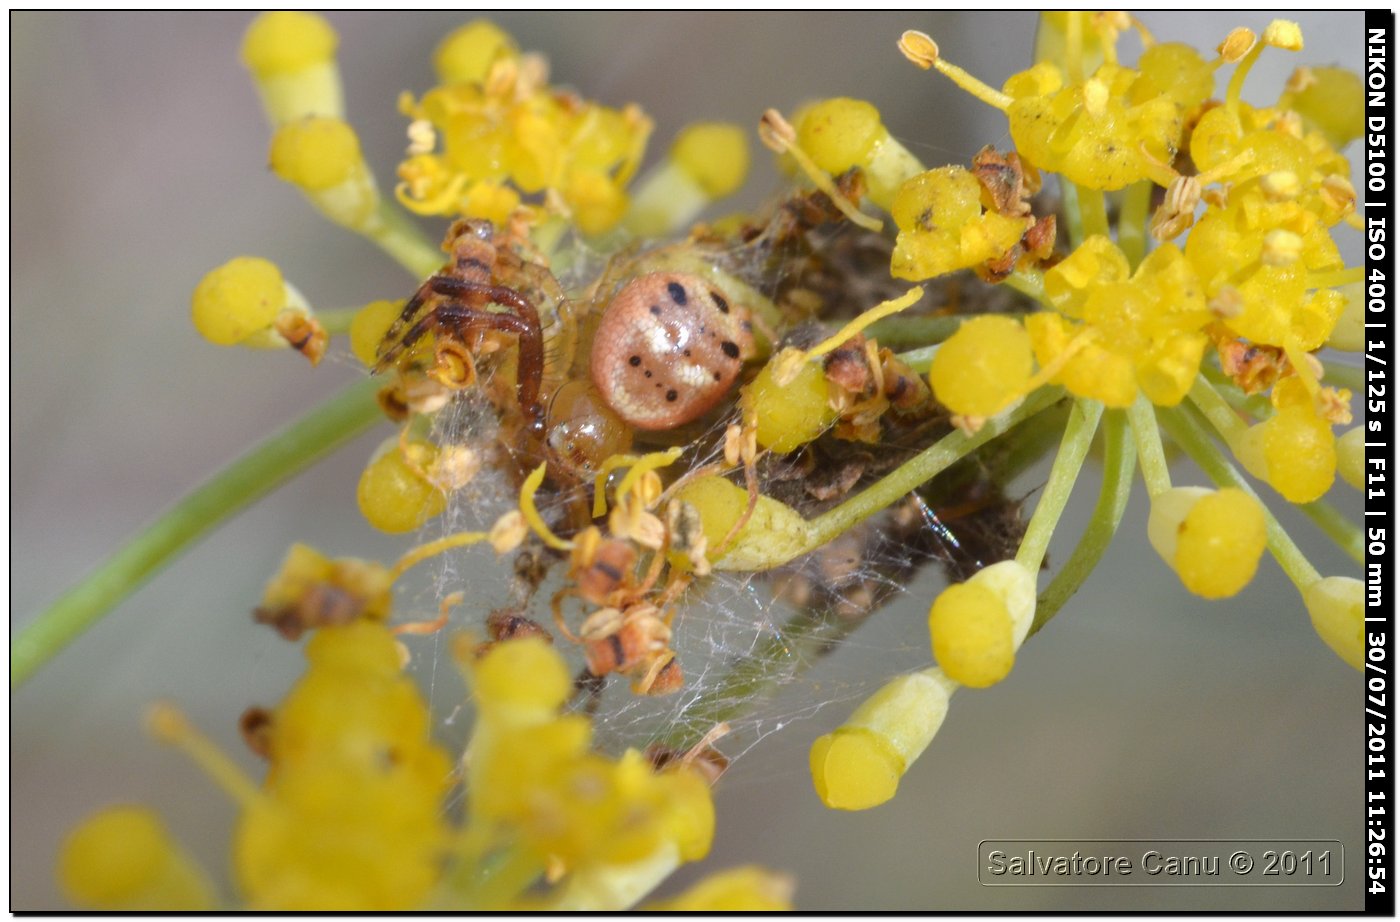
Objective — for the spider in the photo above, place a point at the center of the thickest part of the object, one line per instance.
(462, 290)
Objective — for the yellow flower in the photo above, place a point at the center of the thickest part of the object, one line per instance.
(494, 124)
(1146, 330)
(943, 226)
(1094, 132)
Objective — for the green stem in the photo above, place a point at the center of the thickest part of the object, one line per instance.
(1079, 434)
(1218, 410)
(903, 332)
(1256, 406)
(275, 461)
(336, 320)
(1191, 434)
(918, 360)
(1030, 283)
(503, 877)
(1342, 530)
(1132, 221)
(918, 469)
(398, 236)
(1120, 464)
(1093, 211)
(1074, 219)
(1351, 377)
(1074, 46)
(1151, 458)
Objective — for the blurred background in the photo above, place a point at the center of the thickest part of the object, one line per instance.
(138, 162)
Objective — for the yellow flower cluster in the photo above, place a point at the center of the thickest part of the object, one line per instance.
(494, 131)
(1141, 330)
(350, 816)
(1259, 268)
(531, 773)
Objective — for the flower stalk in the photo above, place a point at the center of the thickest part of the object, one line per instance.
(281, 457)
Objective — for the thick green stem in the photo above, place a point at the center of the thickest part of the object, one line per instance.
(920, 468)
(1120, 464)
(336, 320)
(1351, 377)
(918, 360)
(1079, 434)
(904, 332)
(1218, 410)
(1074, 218)
(1256, 406)
(1191, 434)
(1093, 211)
(398, 236)
(503, 878)
(274, 462)
(1030, 283)
(1132, 221)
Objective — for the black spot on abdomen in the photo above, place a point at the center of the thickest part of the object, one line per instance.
(677, 292)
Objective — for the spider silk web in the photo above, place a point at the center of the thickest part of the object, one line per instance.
(759, 651)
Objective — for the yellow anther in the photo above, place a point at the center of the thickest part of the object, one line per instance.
(1301, 79)
(919, 48)
(923, 51)
(422, 137)
(508, 531)
(1281, 248)
(1237, 44)
(1338, 192)
(532, 514)
(1095, 97)
(1280, 186)
(1282, 33)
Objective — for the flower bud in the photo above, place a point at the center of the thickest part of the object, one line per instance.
(1212, 539)
(123, 858)
(292, 57)
(859, 764)
(1337, 605)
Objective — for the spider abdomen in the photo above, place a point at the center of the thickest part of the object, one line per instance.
(668, 349)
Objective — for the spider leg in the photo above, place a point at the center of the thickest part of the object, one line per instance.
(530, 364)
(430, 321)
(409, 310)
(468, 298)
